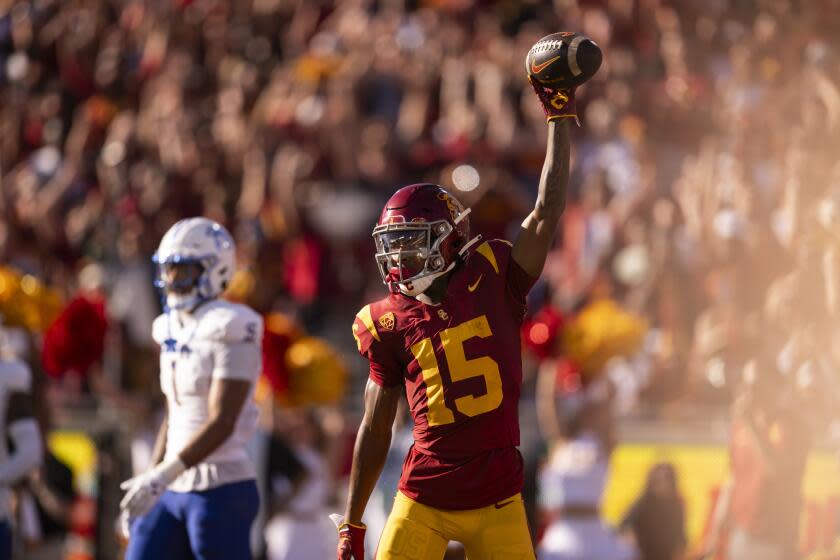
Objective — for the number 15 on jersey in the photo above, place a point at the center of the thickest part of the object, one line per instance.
(460, 368)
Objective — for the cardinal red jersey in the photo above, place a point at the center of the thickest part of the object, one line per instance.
(461, 365)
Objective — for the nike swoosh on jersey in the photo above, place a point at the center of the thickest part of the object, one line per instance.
(500, 505)
(472, 287)
(537, 68)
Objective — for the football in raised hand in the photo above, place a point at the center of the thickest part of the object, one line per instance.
(563, 60)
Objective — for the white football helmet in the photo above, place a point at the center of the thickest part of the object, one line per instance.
(199, 241)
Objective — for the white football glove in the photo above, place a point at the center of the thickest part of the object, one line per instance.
(143, 491)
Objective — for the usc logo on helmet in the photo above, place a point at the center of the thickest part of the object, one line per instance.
(451, 203)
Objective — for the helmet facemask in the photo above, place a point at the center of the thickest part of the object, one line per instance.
(184, 293)
(409, 254)
(203, 246)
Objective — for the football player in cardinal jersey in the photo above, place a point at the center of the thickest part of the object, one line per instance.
(199, 498)
(448, 337)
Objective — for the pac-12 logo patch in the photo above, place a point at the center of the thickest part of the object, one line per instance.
(387, 321)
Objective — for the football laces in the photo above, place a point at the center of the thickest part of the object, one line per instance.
(543, 46)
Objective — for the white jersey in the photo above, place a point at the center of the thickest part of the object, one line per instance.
(220, 340)
(15, 377)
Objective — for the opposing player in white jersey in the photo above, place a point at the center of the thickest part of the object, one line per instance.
(200, 498)
(17, 424)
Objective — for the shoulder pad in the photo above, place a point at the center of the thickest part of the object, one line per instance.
(231, 323)
(496, 252)
(15, 376)
(372, 323)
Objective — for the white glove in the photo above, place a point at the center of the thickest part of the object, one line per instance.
(143, 491)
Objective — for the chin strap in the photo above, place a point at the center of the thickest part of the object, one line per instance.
(468, 245)
(417, 287)
(184, 302)
(462, 215)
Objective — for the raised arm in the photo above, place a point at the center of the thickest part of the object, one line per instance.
(537, 232)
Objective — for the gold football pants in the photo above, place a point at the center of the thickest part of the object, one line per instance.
(418, 532)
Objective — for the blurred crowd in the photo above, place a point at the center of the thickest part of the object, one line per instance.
(700, 237)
